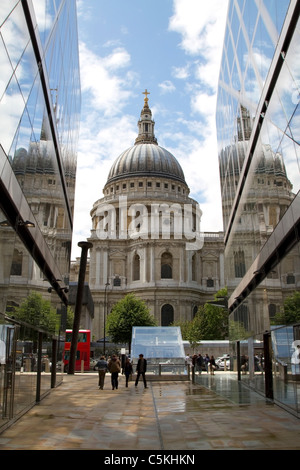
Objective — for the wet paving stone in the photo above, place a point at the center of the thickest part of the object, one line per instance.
(166, 416)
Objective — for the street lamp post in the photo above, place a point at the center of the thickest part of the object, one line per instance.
(105, 314)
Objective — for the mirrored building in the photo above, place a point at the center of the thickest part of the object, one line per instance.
(39, 114)
(258, 139)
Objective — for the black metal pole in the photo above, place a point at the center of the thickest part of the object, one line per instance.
(54, 360)
(268, 366)
(76, 323)
(39, 367)
(105, 314)
(238, 357)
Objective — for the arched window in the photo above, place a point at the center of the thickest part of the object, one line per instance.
(167, 315)
(166, 266)
(136, 268)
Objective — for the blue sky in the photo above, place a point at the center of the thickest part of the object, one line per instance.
(173, 49)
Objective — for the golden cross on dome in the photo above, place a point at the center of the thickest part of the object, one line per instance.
(146, 93)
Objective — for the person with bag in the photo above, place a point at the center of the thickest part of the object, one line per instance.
(114, 367)
(102, 368)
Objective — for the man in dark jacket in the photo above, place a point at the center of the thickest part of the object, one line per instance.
(102, 368)
(141, 369)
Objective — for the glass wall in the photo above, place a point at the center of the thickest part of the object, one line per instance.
(258, 138)
(39, 114)
(26, 372)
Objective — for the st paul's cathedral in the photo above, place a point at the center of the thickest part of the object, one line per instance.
(147, 239)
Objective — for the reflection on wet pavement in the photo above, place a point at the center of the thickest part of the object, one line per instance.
(229, 387)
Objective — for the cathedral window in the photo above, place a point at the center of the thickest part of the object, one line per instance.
(166, 266)
(136, 268)
(167, 315)
(194, 264)
(290, 279)
(16, 266)
(239, 263)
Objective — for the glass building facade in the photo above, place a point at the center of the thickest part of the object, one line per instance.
(39, 114)
(258, 127)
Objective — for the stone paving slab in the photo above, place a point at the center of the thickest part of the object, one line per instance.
(166, 416)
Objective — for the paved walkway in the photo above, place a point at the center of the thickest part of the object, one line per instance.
(166, 416)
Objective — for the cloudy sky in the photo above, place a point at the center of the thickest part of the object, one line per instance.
(173, 49)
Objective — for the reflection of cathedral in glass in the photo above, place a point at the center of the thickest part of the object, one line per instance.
(39, 115)
(258, 140)
(39, 112)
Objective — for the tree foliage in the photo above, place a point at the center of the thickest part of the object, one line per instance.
(38, 312)
(209, 323)
(128, 312)
(290, 313)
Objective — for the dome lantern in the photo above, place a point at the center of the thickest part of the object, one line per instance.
(146, 124)
(146, 158)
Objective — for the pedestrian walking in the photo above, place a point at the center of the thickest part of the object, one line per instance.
(206, 362)
(102, 368)
(141, 369)
(128, 370)
(114, 367)
(199, 363)
(212, 365)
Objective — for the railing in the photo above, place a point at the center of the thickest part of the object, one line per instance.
(169, 370)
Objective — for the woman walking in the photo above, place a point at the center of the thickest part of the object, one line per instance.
(114, 367)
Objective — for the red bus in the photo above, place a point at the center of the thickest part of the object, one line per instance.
(83, 350)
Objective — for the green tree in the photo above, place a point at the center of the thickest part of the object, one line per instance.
(128, 312)
(38, 312)
(290, 313)
(210, 322)
(70, 318)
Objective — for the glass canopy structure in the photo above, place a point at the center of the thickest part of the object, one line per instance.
(157, 344)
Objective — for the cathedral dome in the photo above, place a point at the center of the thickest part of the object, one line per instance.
(146, 158)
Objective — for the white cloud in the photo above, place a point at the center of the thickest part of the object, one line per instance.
(99, 76)
(167, 87)
(181, 73)
(200, 25)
